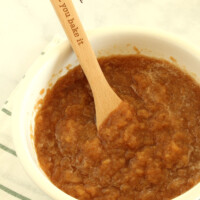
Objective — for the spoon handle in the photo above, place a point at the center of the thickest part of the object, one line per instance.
(105, 98)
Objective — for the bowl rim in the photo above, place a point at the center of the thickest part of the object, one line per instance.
(23, 154)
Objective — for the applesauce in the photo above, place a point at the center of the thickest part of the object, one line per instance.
(148, 149)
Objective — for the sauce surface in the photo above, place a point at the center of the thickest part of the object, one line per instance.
(148, 149)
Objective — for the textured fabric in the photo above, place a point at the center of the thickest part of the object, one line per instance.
(14, 182)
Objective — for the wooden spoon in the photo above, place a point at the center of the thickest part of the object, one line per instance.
(105, 98)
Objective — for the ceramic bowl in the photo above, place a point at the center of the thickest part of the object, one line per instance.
(45, 72)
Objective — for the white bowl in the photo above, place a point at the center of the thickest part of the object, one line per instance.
(105, 42)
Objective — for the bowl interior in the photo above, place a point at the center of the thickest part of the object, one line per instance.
(60, 60)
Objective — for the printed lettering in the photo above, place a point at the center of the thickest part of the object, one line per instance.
(64, 5)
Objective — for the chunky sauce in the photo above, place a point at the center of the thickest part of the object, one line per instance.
(148, 149)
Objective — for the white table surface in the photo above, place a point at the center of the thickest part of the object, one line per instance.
(26, 27)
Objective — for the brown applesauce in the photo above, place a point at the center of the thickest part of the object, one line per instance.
(148, 149)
